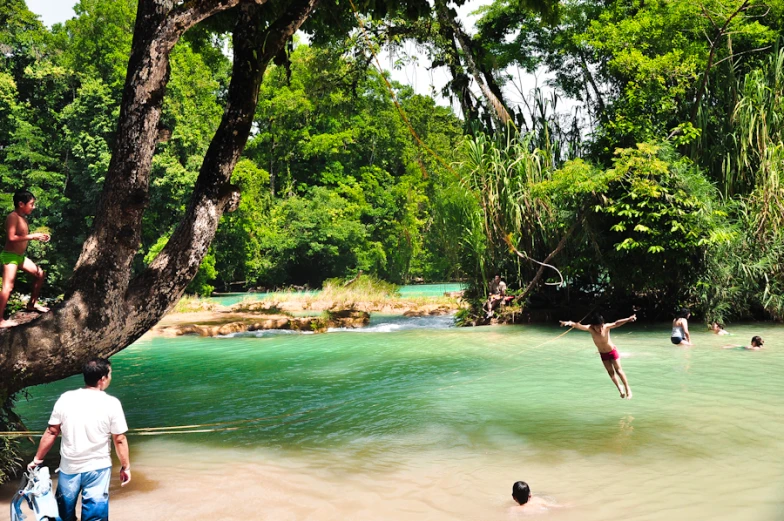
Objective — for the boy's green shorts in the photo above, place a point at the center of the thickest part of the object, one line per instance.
(6, 257)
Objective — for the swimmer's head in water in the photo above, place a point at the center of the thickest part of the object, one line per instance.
(521, 492)
(756, 341)
(596, 320)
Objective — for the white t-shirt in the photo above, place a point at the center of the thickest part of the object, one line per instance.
(87, 419)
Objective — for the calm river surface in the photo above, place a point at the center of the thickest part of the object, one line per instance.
(411, 419)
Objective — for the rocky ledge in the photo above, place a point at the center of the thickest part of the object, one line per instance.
(226, 323)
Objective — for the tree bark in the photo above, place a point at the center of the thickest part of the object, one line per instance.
(720, 33)
(104, 310)
(460, 82)
(495, 106)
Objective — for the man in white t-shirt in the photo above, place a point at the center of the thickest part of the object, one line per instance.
(88, 420)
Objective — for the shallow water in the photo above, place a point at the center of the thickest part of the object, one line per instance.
(429, 290)
(413, 419)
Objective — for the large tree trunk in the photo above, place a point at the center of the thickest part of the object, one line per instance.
(495, 106)
(105, 310)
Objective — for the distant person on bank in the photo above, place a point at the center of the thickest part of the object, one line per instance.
(17, 235)
(497, 291)
(600, 332)
(680, 328)
(88, 420)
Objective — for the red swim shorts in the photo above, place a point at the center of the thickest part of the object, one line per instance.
(612, 355)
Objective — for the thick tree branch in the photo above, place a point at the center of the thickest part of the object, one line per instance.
(164, 281)
(96, 318)
(589, 77)
(497, 109)
(720, 33)
(116, 233)
(188, 14)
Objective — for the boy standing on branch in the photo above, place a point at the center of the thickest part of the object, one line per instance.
(18, 234)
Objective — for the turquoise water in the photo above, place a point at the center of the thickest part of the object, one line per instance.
(414, 419)
(429, 290)
(414, 290)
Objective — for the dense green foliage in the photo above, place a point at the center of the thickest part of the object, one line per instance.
(676, 193)
(332, 180)
(338, 181)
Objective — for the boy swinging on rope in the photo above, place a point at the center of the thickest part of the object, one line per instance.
(600, 332)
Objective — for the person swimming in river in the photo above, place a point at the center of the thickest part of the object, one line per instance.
(17, 235)
(716, 328)
(600, 332)
(756, 344)
(680, 328)
(521, 493)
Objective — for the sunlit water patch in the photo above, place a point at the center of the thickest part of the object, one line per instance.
(394, 323)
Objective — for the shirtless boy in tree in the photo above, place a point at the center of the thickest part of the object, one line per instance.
(600, 332)
(13, 255)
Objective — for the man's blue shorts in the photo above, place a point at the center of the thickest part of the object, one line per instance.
(94, 489)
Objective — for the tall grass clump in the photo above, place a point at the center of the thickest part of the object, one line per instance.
(193, 304)
(364, 289)
(510, 214)
(10, 453)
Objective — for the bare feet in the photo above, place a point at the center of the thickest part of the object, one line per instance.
(623, 393)
(5, 324)
(628, 394)
(38, 308)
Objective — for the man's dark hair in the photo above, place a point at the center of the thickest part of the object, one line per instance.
(95, 369)
(521, 492)
(756, 341)
(595, 319)
(22, 196)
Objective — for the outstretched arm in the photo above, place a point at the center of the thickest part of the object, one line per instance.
(619, 323)
(576, 325)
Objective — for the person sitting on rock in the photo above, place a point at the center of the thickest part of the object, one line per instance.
(497, 294)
